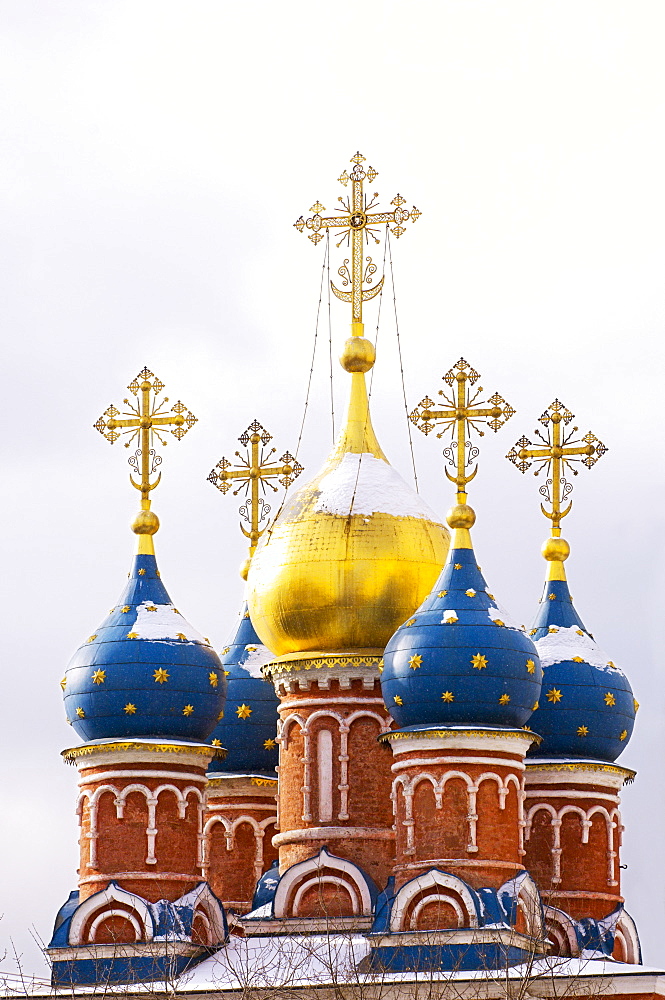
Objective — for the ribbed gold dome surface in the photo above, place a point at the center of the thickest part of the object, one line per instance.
(352, 555)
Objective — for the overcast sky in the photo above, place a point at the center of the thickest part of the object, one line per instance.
(154, 157)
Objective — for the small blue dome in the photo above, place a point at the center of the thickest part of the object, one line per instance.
(145, 671)
(460, 659)
(586, 708)
(249, 726)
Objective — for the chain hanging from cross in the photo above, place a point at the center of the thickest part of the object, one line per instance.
(557, 450)
(462, 413)
(143, 421)
(253, 474)
(358, 224)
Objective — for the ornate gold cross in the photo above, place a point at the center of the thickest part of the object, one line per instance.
(462, 413)
(558, 451)
(253, 474)
(143, 421)
(358, 223)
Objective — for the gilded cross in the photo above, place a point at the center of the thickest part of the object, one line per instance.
(143, 421)
(462, 412)
(253, 475)
(357, 223)
(556, 450)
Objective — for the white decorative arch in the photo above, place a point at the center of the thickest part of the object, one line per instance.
(560, 931)
(102, 905)
(319, 880)
(626, 934)
(443, 886)
(207, 906)
(408, 786)
(530, 903)
(322, 867)
(123, 914)
(230, 827)
(612, 822)
(285, 725)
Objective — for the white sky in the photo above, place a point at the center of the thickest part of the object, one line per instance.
(154, 158)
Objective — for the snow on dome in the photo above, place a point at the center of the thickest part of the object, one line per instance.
(365, 485)
(257, 655)
(163, 621)
(566, 643)
(499, 616)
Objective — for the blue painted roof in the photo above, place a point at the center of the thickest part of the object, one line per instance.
(459, 658)
(249, 726)
(586, 708)
(145, 671)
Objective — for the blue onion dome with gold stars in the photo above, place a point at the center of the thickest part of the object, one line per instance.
(587, 707)
(460, 658)
(248, 728)
(145, 672)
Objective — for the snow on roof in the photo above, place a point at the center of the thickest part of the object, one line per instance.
(365, 485)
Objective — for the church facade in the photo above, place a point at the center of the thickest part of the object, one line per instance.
(382, 756)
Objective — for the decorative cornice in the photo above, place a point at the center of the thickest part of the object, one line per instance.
(450, 734)
(75, 755)
(316, 661)
(581, 765)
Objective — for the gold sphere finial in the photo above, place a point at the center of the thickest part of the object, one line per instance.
(358, 355)
(461, 516)
(555, 550)
(146, 522)
(244, 568)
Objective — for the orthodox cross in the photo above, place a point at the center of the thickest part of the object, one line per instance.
(558, 451)
(357, 224)
(461, 413)
(143, 421)
(253, 474)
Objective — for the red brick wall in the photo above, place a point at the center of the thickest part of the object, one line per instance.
(367, 783)
(582, 883)
(122, 841)
(244, 806)
(441, 835)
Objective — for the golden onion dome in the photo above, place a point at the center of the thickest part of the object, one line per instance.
(354, 552)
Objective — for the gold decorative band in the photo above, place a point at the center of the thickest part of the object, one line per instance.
(88, 750)
(580, 765)
(450, 734)
(315, 661)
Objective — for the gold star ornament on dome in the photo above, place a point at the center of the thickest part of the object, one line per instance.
(269, 744)
(415, 661)
(478, 661)
(145, 423)
(243, 711)
(358, 220)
